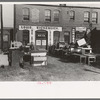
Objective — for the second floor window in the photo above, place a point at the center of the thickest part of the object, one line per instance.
(86, 16)
(72, 15)
(56, 15)
(47, 15)
(94, 17)
(25, 13)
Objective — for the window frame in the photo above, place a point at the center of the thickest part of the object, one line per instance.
(87, 18)
(96, 17)
(72, 15)
(56, 15)
(47, 15)
(26, 14)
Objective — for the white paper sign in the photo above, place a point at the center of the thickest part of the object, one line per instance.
(81, 42)
(43, 42)
(38, 42)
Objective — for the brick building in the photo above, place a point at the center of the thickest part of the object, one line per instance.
(47, 24)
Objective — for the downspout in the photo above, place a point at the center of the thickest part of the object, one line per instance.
(1, 29)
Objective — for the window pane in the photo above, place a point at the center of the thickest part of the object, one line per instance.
(25, 14)
(86, 16)
(72, 14)
(56, 15)
(94, 17)
(47, 15)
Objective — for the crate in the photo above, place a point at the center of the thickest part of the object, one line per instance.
(90, 58)
(39, 58)
(86, 50)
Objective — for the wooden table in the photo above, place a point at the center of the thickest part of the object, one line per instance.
(82, 57)
(91, 58)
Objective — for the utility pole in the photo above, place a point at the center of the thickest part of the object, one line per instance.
(14, 31)
(1, 29)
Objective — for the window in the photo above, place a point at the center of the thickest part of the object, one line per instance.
(56, 15)
(86, 16)
(94, 17)
(72, 15)
(47, 15)
(25, 14)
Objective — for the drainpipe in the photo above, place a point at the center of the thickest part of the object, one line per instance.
(1, 29)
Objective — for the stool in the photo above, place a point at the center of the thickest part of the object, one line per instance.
(91, 59)
(83, 57)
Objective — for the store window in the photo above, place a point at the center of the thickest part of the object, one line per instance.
(94, 17)
(25, 13)
(72, 15)
(86, 16)
(56, 15)
(47, 15)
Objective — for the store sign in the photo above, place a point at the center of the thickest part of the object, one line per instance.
(24, 27)
(47, 27)
(41, 36)
(80, 29)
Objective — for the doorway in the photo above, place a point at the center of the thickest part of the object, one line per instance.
(67, 37)
(56, 37)
(25, 37)
(41, 39)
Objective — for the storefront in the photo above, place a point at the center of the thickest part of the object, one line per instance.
(78, 33)
(40, 35)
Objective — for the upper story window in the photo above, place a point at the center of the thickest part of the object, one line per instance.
(94, 17)
(47, 15)
(56, 15)
(72, 15)
(25, 13)
(86, 16)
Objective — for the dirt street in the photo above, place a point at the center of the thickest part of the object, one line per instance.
(56, 70)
